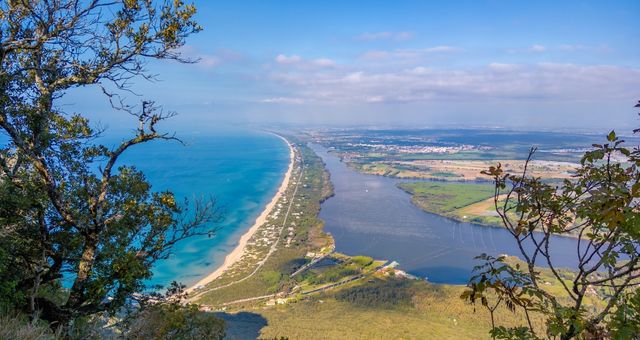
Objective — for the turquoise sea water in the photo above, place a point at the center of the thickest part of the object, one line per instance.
(241, 169)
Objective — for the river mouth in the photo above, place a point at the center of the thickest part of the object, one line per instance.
(369, 215)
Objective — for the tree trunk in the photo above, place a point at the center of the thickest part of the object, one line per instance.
(84, 269)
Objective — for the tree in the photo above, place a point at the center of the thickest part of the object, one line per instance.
(66, 209)
(166, 317)
(599, 207)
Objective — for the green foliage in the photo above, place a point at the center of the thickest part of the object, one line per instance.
(167, 317)
(65, 209)
(173, 321)
(362, 261)
(625, 322)
(380, 294)
(21, 328)
(513, 333)
(334, 274)
(271, 277)
(600, 206)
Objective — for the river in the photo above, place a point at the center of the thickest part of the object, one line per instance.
(370, 216)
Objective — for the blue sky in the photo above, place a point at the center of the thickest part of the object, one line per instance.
(524, 64)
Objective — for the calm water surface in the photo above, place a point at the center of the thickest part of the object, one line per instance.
(370, 216)
(241, 169)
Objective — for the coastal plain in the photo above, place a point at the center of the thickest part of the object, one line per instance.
(286, 278)
(290, 281)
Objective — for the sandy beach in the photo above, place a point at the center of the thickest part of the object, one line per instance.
(239, 250)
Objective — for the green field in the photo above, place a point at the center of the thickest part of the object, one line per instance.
(445, 198)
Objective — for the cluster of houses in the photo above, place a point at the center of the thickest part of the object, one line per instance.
(412, 149)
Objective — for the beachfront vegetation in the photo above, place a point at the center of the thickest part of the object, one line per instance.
(281, 245)
(69, 209)
(601, 206)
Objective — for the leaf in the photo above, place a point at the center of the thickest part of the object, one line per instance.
(612, 136)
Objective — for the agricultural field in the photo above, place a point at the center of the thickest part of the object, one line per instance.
(464, 170)
(457, 155)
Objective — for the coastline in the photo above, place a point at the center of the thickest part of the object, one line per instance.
(236, 254)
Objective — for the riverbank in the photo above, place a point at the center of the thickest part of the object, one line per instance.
(236, 254)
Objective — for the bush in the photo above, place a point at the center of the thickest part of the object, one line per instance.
(362, 261)
(271, 277)
(387, 294)
(18, 327)
(334, 274)
(173, 321)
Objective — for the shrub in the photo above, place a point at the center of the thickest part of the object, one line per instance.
(362, 261)
(19, 327)
(384, 294)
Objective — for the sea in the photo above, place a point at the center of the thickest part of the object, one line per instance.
(240, 169)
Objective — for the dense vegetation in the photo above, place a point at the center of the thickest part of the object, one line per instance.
(600, 205)
(67, 212)
(379, 294)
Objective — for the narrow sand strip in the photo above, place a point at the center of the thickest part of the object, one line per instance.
(239, 250)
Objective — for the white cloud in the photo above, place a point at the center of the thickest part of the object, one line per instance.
(296, 61)
(210, 60)
(568, 47)
(500, 67)
(282, 100)
(283, 59)
(441, 49)
(354, 77)
(323, 62)
(408, 53)
(419, 70)
(584, 48)
(546, 81)
(375, 55)
(537, 48)
(396, 36)
(374, 99)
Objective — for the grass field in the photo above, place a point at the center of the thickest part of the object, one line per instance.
(388, 308)
(384, 310)
(444, 198)
(470, 202)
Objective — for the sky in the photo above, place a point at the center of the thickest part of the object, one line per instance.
(517, 64)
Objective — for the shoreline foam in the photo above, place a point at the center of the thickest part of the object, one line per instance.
(236, 254)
